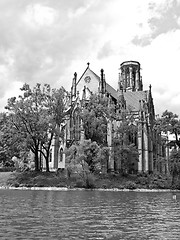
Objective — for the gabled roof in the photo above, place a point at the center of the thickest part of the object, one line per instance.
(109, 89)
(88, 69)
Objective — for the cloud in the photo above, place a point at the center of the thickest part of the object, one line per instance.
(38, 15)
(46, 41)
(43, 32)
(142, 41)
(105, 51)
(166, 19)
(160, 68)
(163, 17)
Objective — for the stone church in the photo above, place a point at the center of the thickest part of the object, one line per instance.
(130, 97)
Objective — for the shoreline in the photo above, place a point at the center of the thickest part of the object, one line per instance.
(84, 189)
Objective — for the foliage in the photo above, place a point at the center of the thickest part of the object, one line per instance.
(169, 122)
(94, 116)
(36, 179)
(153, 181)
(128, 157)
(116, 181)
(91, 152)
(7, 169)
(174, 164)
(130, 185)
(9, 142)
(126, 152)
(85, 160)
(35, 117)
(84, 156)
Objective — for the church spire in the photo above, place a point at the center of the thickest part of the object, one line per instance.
(73, 88)
(102, 83)
(121, 102)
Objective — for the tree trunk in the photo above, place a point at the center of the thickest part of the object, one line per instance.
(47, 163)
(36, 160)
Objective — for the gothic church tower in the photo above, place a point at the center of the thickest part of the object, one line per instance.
(130, 77)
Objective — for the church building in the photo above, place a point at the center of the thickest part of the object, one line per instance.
(130, 97)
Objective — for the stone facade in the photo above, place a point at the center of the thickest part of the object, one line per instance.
(129, 97)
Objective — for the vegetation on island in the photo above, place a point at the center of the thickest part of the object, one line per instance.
(36, 116)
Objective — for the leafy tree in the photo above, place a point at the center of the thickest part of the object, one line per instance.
(125, 146)
(126, 156)
(169, 122)
(98, 110)
(94, 116)
(36, 116)
(9, 142)
(85, 159)
(86, 153)
(174, 164)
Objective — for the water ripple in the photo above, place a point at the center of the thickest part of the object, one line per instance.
(88, 215)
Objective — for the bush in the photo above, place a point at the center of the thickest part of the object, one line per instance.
(142, 181)
(130, 185)
(16, 185)
(160, 184)
(7, 169)
(80, 183)
(90, 180)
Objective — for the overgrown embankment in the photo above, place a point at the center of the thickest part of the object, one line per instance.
(103, 181)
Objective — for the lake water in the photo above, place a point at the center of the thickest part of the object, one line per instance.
(27, 214)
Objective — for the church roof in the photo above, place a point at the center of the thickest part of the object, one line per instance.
(111, 91)
(88, 69)
(133, 98)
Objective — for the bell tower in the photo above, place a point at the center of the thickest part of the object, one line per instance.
(130, 77)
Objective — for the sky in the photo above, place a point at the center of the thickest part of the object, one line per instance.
(46, 41)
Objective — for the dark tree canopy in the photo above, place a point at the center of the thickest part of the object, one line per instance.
(95, 116)
(125, 143)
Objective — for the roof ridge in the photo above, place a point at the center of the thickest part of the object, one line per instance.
(82, 75)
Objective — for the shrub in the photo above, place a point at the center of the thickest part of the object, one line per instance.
(130, 185)
(79, 183)
(16, 185)
(90, 180)
(160, 185)
(7, 169)
(142, 181)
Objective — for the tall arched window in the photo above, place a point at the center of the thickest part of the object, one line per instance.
(61, 154)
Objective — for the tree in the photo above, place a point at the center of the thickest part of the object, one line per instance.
(169, 122)
(55, 104)
(94, 116)
(125, 146)
(85, 159)
(10, 143)
(3, 154)
(35, 117)
(86, 153)
(174, 164)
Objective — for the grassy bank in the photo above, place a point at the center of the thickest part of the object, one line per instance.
(5, 177)
(108, 181)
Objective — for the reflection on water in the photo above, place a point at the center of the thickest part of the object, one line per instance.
(88, 215)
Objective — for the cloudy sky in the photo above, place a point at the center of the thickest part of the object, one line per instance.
(46, 41)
